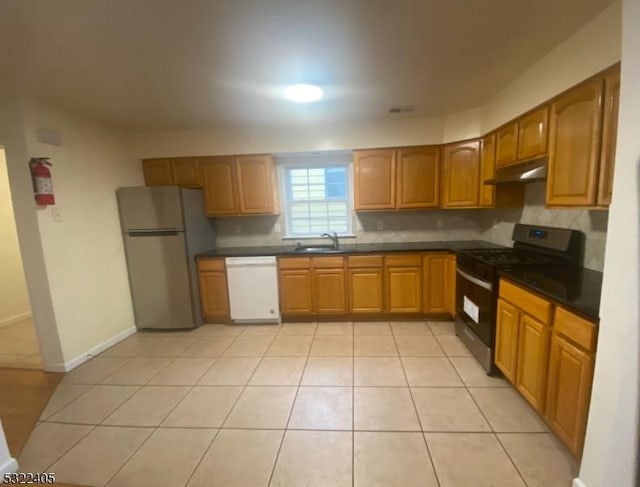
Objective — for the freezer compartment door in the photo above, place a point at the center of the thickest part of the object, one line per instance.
(159, 278)
(154, 208)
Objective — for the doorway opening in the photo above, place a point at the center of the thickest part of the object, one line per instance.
(18, 340)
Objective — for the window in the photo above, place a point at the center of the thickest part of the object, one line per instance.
(316, 195)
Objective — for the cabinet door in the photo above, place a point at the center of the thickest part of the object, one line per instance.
(219, 180)
(255, 184)
(506, 144)
(375, 179)
(609, 134)
(329, 291)
(532, 134)
(295, 292)
(365, 290)
(214, 296)
(434, 270)
(462, 174)
(186, 172)
(450, 285)
(533, 359)
(569, 392)
(488, 167)
(418, 177)
(157, 172)
(574, 146)
(507, 339)
(403, 289)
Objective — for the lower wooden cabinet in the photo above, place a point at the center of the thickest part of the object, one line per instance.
(295, 292)
(214, 296)
(450, 285)
(329, 296)
(365, 290)
(507, 328)
(434, 272)
(403, 283)
(551, 364)
(533, 360)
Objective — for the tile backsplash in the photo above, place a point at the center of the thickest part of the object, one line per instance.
(432, 225)
(593, 223)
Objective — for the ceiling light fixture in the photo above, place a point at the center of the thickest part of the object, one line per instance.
(302, 93)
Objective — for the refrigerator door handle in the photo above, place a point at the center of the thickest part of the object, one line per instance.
(153, 233)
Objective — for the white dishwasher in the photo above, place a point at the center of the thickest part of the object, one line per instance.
(253, 289)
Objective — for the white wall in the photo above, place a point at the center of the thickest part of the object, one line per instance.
(84, 253)
(12, 138)
(611, 451)
(14, 300)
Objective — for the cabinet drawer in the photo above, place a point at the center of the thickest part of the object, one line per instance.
(403, 260)
(327, 262)
(354, 261)
(294, 263)
(526, 301)
(575, 328)
(211, 264)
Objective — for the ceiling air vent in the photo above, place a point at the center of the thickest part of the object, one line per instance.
(403, 109)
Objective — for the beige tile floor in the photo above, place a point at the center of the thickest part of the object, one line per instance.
(329, 404)
(19, 346)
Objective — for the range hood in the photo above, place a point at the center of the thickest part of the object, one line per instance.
(525, 172)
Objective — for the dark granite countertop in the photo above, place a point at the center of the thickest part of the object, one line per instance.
(576, 288)
(276, 250)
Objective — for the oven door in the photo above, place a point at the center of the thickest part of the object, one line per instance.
(475, 305)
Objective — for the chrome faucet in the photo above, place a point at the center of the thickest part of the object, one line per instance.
(333, 235)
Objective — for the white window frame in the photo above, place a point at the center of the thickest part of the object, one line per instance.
(314, 160)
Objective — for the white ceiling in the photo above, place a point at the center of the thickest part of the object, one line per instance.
(182, 64)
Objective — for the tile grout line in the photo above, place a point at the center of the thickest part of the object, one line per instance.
(493, 431)
(69, 449)
(415, 408)
(295, 397)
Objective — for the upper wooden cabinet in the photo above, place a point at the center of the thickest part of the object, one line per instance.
(507, 144)
(157, 172)
(186, 172)
(532, 134)
(238, 185)
(375, 179)
(609, 135)
(220, 186)
(418, 177)
(461, 178)
(255, 184)
(574, 145)
(182, 171)
(488, 170)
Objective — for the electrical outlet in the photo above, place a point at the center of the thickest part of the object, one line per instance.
(55, 214)
(379, 225)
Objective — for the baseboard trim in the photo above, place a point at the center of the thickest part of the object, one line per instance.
(578, 483)
(10, 466)
(15, 318)
(92, 352)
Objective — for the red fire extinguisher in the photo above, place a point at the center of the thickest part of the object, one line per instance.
(41, 177)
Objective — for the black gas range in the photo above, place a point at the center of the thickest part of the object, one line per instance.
(534, 247)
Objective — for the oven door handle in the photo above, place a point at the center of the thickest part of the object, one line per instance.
(483, 284)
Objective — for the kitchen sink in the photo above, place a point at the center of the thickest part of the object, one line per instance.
(317, 249)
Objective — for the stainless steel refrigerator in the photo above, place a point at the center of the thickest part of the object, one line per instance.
(164, 227)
